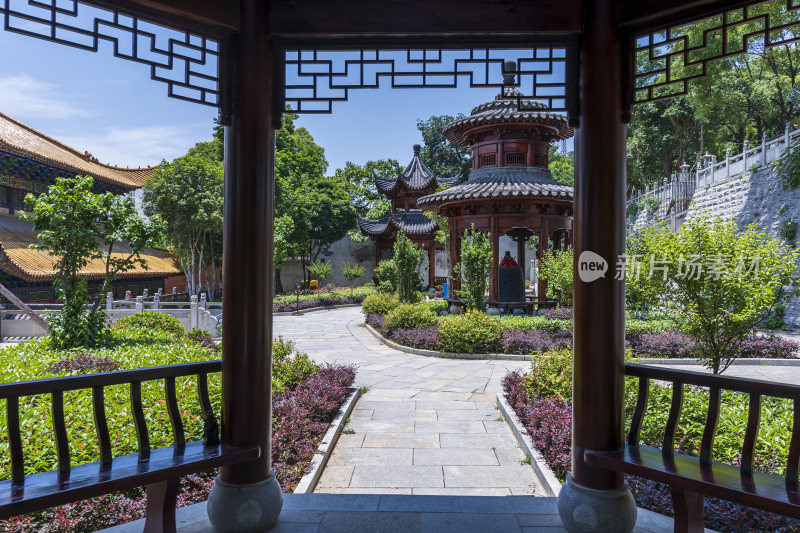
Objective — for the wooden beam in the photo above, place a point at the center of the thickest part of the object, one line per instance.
(648, 15)
(440, 19)
(208, 17)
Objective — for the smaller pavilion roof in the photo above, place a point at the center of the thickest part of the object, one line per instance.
(413, 223)
(24, 141)
(509, 107)
(415, 177)
(501, 182)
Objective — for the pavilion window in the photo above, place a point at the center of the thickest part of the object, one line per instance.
(515, 158)
(4, 197)
(488, 160)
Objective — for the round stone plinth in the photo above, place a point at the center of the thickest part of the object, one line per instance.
(589, 510)
(250, 508)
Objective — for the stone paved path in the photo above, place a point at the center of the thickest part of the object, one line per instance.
(426, 425)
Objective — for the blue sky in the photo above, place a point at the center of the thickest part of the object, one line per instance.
(110, 107)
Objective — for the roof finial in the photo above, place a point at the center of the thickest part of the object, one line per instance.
(509, 72)
(417, 148)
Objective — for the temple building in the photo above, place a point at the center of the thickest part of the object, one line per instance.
(403, 191)
(30, 162)
(510, 191)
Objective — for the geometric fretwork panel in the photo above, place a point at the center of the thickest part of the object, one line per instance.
(315, 79)
(186, 62)
(666, 60)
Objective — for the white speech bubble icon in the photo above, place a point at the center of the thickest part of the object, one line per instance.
(591, 266)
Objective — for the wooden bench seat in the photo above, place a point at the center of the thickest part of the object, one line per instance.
(48, 489)
(689, 478)
(687, 474)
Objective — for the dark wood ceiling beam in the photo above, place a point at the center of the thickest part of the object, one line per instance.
(214, 18)
(647, 15)
(455, 19)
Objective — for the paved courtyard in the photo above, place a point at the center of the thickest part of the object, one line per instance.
(426, 425)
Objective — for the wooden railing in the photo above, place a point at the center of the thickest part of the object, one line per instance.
(755, 389)
(692, 478)
(158, 469)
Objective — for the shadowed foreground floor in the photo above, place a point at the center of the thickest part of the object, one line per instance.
(398, 513)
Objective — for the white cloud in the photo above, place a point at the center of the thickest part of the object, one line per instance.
(25, 97)
(134, 147)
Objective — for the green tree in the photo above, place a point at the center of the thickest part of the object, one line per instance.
(352, 272)
(188, 195)
(660, 138)
(126, 232)
(319, 207)
(320, 270)
(442, 157)
(359, 181)
(474, 268)
(76, 226)
(562, 166)
(407, 259)
(723, 282)
(557, 269)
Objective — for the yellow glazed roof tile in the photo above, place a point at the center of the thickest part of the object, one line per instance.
(17, 138)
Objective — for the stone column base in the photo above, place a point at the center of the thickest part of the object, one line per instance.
(250, 508)
(589, 510)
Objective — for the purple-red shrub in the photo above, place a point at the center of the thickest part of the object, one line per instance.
(662, 345)
(548, 421)
(422, 338)
(376, 321)
(300, 418)
(82, 362)
(673, 344)
(559, 313)
(771, 346)
(535, 340)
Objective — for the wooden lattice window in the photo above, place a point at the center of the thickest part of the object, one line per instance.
(515, 158)
(488, 160)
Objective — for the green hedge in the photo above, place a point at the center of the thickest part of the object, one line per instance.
(340, 292)
(134, 348)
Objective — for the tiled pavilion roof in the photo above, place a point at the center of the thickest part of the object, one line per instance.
(501, 182)
(19, 260)
(416, 176)
(410, 223)
(509, 107)
(24, 141)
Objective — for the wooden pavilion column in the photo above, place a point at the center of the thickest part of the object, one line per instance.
(431, 261)
(455, 251)
(494, 283)
(544, 245)
(595, 499)
(247, 278)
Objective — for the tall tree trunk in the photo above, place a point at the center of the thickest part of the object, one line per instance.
(278, 283)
